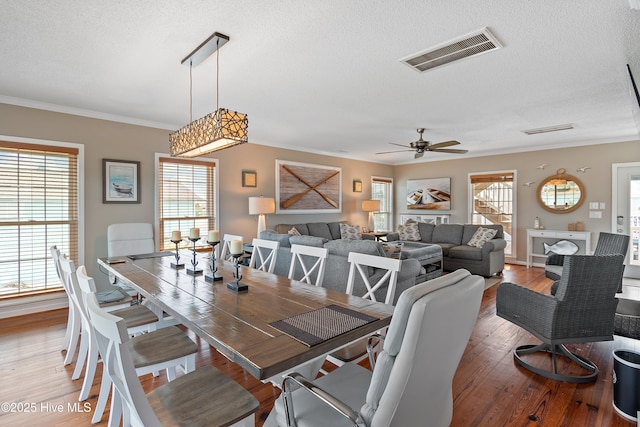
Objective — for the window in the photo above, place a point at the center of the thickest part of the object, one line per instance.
(186, 198)
(493, 202)
(38, 209)
(381, 189)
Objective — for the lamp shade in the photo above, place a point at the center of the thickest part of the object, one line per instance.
(371, 205)
(261, 205)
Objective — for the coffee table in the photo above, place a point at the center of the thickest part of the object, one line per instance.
(429, 256)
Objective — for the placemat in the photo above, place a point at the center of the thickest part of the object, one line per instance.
(319, 325)
(151, 255)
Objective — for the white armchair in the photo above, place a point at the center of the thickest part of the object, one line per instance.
(411, 381)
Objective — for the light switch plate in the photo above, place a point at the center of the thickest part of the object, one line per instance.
(595, 214)
(602, 205)
(593, 205)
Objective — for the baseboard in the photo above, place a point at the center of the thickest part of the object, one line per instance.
(33, 304)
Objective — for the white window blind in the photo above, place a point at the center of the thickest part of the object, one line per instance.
(186, 196)
(38, 209)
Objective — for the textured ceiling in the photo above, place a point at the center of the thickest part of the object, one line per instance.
(325, 76)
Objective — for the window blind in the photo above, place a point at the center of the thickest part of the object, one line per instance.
(38, 209)
(186, 195)
(381, 190)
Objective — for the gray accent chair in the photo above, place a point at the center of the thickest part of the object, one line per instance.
(411, 380)
(582, 310)
(608, 244)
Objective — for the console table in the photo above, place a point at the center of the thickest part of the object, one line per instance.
(554, 234)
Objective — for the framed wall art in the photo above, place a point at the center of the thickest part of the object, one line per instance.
(430, 194)
(120, 181)
(249, 179)
(307, 188)
(357, 186)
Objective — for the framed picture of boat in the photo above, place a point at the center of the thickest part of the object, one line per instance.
(430, 194)
(121, 181)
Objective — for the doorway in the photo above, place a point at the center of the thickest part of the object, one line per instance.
(625, 215)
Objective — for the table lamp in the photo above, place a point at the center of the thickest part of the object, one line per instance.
(261, 206)
(371, 206)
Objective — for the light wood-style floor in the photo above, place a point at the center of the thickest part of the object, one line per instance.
(489, 389)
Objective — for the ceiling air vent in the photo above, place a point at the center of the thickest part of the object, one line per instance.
(548, 129)
(473, 44)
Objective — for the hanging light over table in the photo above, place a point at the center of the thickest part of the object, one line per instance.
(218, 130)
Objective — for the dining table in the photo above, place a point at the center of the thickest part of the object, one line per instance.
(246, 326)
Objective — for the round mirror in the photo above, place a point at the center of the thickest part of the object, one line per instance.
(561, 193)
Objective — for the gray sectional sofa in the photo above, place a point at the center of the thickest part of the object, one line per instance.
(453, 238)
(337, 265)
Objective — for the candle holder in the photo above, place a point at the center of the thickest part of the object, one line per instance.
(214, 276)
(177, 265)
(194, 262)
(237, 286)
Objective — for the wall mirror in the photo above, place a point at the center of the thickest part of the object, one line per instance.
(561, 193)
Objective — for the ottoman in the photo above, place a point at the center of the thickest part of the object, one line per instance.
(429, 256)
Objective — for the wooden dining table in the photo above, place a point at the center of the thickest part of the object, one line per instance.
(238, 324)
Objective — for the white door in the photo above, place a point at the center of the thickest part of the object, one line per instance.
(626, 211)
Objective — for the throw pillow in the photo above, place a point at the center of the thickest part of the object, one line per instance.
(409, 232)
(350, 232)
(482, 236)
(294, 232)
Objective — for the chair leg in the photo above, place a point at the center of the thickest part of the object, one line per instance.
(90, 371)
(73, 341)
(82, 355)
(555, 350)
(105, 388)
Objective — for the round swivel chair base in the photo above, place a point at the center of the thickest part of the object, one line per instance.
(554, 350)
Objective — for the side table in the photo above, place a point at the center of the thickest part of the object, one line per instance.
(377, 235)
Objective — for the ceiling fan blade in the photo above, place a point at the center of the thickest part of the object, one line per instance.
(395, 151)
(400, 145)
(418, 154)
(449, 150)
(444, 144)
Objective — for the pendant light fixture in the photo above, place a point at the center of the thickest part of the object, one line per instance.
(218, 130)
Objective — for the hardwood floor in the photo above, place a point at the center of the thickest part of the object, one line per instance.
(488, 389)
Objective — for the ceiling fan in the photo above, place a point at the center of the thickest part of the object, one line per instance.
(420, 146)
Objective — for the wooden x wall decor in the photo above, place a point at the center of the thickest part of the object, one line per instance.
(307, 188)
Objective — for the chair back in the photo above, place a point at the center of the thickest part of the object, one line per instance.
(586, 297)
(305, 255)
(55, 255)
(264, 255)
(226, 241)
(362, 262)
(609, 243)
(112, 337)
(429, 331)
(131, 238)
(68, 271)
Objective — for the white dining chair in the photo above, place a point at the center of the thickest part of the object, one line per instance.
(153, 351)
(130, 238)
(264, 255)
(204, 397)
(117, 299)
(360, 263)
(411, 382)
(138, 318)
(72, 335)
(305, 255)
(226, 242)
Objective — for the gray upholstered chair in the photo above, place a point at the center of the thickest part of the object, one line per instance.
(608, 244)
(411, 381)
(582, 310)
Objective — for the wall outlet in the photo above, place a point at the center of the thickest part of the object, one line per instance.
(595, 214)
